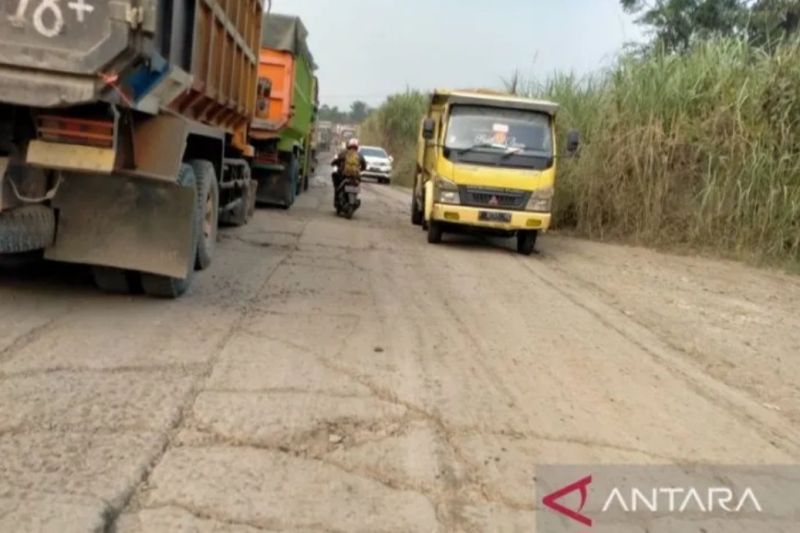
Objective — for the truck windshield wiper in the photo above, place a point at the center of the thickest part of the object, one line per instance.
(512, 151)
(462, 151)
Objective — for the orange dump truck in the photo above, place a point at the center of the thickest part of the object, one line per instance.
(283, 127)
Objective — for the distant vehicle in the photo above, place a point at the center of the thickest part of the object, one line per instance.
(324, 136)
(379, 164)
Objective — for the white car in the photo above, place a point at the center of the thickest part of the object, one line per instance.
(379, 164)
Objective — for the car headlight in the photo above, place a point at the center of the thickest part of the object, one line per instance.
(447, 191)
(541, 201)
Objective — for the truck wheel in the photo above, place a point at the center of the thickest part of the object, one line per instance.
(114, 280)
(26, 229)
(208, 206)
(167, 287)
(435, 232)
(291, 176)
(241, 213)
(300, 178)
(417, 215)
(526, 242)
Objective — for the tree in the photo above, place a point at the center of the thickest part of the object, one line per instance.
(772, 20)
(358, 111)
(675, 24)
(332, 114)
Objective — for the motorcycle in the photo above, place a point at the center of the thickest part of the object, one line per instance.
(347, 201)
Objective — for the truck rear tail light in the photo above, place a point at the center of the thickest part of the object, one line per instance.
(68, 130)
(267, 158)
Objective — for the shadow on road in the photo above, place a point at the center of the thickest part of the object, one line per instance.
(33, 273)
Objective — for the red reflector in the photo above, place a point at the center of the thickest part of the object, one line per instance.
(99, 133)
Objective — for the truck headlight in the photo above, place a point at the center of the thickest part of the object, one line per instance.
(447, 192)
(541, 201)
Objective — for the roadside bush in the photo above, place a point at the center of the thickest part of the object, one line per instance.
(697, 150)
(395, 126)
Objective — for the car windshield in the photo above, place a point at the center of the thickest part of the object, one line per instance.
(511, 131)
(374, 152)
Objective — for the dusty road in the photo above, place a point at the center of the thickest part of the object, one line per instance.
(348, 377)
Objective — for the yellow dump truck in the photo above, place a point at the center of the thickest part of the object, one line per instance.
(487, 161)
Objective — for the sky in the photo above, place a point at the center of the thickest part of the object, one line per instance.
(368, 49)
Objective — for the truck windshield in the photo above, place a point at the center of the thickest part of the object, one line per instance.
(508, 137)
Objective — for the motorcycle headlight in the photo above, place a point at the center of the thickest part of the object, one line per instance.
(541, 201)
(447, 191)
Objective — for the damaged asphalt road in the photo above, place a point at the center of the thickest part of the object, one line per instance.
(339, 376)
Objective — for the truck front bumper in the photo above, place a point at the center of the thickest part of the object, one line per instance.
(479, 218)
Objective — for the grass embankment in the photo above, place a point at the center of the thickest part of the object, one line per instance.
(395, 126)
(697, 151)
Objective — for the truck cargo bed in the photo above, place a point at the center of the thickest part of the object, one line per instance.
(196, 57)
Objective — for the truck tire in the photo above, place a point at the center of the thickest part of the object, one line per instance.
(208, 207)
(417, 215)
(243, 211)
(114, 280)
(435, 232)
(526, 242)
(27, 229)
(240, 214)
(165, 286)
(291, 176)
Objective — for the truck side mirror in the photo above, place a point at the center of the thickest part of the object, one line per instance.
(573, 142)
(428, 129)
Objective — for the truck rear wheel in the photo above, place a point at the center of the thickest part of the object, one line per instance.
(114, 280)
(526, 242)
(165, 286)
(26, 229)
(208, 206)
(291, 175)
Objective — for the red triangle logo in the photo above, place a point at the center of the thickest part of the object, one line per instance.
(582, 486)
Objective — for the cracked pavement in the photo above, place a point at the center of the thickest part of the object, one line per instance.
(339, 376)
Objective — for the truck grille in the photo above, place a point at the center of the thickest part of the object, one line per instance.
(494, 198)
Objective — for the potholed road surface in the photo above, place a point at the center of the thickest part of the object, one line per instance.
(339, 376)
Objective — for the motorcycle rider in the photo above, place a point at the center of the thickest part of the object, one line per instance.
(348, 164)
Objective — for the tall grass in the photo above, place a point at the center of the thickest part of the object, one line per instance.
(395, 126)
(700, 150)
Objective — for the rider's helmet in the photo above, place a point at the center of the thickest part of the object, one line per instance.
(352, 144)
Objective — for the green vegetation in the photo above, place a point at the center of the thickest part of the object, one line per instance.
(699, 150)
(677, 24)
(395, 126)
(358, 112)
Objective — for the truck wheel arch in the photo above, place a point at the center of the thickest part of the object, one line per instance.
(211, 149)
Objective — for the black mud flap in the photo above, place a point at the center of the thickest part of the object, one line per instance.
(273, 187)
(124, 222)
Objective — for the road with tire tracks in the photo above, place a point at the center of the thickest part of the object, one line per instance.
(344, 376)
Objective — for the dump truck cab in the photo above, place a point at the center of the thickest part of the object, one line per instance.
(486, 161)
